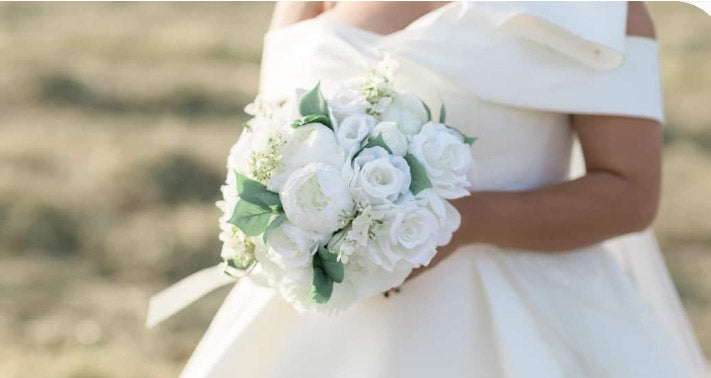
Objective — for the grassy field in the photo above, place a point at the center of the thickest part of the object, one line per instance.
(115, 119)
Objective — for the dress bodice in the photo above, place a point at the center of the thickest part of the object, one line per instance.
(509, 74)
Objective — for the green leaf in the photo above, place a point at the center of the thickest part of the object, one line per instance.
(467, 139)
(276, 222)
(427, 109)
(252, 219)
(330, 264)
(322, 284)
(313, 118)
(442, 113)
(313, 102)
(420, 180)
(256, 193)
(378, 141)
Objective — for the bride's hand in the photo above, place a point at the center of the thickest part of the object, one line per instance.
(442, 254)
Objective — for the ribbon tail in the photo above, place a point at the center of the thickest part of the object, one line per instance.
(184, 292)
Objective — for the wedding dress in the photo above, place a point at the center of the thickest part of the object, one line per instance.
(509, 73)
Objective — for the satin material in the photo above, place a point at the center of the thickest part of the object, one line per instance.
(509, 74)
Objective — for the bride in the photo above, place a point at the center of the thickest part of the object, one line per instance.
(553, 272)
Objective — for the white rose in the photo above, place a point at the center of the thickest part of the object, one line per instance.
(368, 279)
(295, 283)
(446, 159)
(316, 198)
(346, 99)
(407, 237)
(447, 215)
(312, 143)
(352, 130)
(407, 111)
(379, 177)
(392, 136)
(290, 246)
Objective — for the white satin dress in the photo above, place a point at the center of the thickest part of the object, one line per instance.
(509, 74)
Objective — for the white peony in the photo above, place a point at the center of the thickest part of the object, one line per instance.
(446, 159)
(312, 143)
(407, 111)
(353, 130)
(392, 136)
(379, 177)
(316, 198)
(290, 246)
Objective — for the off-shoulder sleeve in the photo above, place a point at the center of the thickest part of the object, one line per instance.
(564, 57)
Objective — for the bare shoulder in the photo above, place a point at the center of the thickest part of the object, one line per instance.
(290, 12)
(638, 21)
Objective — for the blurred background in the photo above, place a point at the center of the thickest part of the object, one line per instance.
(115, 121)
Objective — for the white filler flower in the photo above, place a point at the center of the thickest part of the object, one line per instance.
(316, 198)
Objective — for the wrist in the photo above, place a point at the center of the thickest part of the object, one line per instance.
(470, 229)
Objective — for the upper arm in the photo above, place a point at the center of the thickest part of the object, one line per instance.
(628, 151)
(290, 12)
(628, 148)
(638, 21)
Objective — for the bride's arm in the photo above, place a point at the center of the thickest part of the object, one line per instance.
(619, 193)
(290, 12)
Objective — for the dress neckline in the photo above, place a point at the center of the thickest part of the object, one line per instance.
(328, 18)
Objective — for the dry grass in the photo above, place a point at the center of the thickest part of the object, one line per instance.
(115, 119)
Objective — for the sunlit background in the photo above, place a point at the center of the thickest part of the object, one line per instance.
(115, 121)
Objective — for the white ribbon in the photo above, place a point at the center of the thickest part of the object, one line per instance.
(184, 292)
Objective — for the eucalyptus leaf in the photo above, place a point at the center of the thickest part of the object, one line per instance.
(313, 118)
(378, 141)
(420, 180)
(442, 113)
(322, 284)
(256, 193)
(252, 219)
(330, 264)
(313, 102)
(276, 222)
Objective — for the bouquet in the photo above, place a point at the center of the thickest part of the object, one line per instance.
(338, 193)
